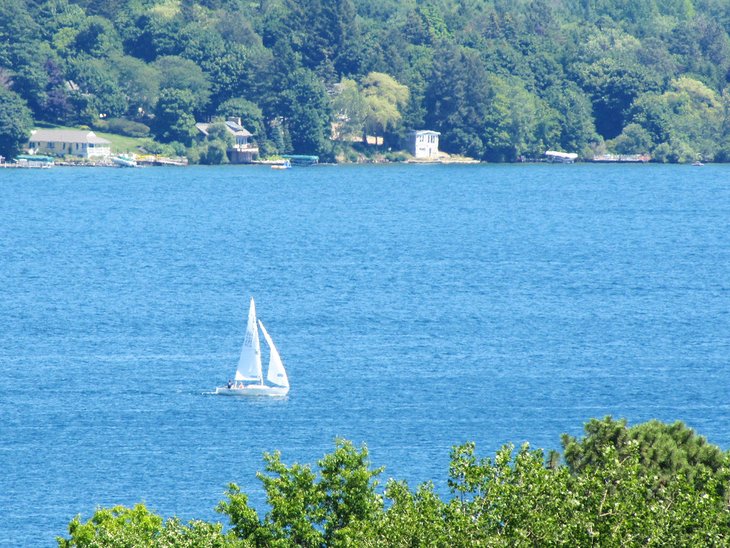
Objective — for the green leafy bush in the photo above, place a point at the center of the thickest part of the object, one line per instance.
(649, 485)
(127, 127)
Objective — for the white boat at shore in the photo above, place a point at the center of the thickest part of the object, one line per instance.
(249, 379)
(561, 157)
(124, 160)
(286, 164)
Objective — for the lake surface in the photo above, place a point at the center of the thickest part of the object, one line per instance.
(415, 307)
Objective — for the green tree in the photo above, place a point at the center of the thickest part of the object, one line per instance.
(634, 139)
(174, 120)
(153, 34)
(575, 118)
(16, 123)
(139, 82)
(23, 54)
(324, 33)
(613, 492)
(56, 107)
(30, 79)
(684, 121)
(224, 64)
(613, 85)
(97, 88)
(513, 496)
(217, 143)
(416, 71)
(350, 110)
(213, 153)
(97, 38)
(310, 509)
(18, 31)
(412, 519)
(305, 108)
(530, 124)
(184, 75)
(665, 451)
(384, 99)
(121, 527)
(458, 101)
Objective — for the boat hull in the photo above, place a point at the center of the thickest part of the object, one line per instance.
(124, 162)
(255, 390)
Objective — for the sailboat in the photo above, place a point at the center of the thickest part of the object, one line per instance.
(249, 379)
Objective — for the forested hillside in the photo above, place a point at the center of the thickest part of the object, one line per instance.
(501, 80)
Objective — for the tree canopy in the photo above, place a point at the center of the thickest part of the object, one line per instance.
(15, 123)
(653, 484)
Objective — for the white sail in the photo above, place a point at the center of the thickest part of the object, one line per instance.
(249, 364)
(277, 373)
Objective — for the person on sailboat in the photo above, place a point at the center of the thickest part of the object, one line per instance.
(230, 384)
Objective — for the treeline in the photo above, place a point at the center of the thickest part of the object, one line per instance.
(653, 484)
(501, 80)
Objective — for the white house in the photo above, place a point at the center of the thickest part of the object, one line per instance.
(424, 144)
(71, 142)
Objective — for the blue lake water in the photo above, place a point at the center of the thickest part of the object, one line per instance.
(415, 307)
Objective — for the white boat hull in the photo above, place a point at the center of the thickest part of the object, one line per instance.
(124, 162)
(253, 391)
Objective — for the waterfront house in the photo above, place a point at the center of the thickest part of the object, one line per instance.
(423, 144)
(69, 142)
(242, 151)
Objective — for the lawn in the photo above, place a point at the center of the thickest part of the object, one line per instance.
(120, 143)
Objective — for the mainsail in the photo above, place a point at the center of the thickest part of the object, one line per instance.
(249, 364)
(277, 373)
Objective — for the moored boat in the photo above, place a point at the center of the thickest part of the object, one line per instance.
(124, 160)
(561, 157)
(286, 164)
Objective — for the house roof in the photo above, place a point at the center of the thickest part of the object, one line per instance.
(425, 132)
(232, 127)
(238, 129)
(67, 136)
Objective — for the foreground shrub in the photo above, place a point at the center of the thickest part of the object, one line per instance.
(612, 492)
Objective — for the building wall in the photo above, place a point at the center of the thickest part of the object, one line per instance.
(242, 156)
(98, 151)
(83, 150)
(424, 145)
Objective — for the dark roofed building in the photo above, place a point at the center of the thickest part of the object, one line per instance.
(242, 152)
